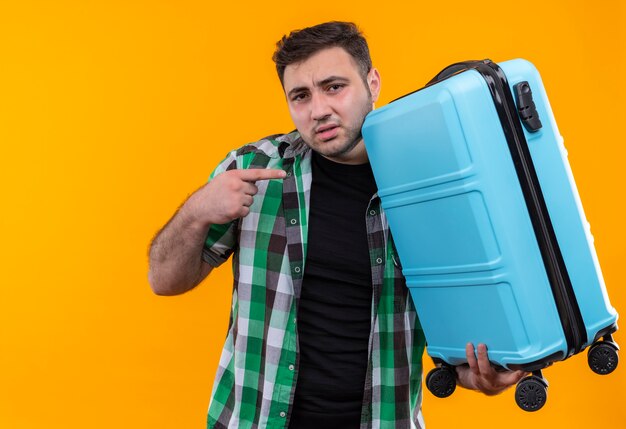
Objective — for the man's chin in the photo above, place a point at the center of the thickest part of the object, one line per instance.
(335, 147)
(338, 152)
(331, 147)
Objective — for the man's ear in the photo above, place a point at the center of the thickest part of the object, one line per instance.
(373, 82)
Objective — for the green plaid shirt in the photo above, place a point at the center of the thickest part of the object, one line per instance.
(256, 378)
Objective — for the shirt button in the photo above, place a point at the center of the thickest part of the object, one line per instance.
(294, 221)
(294, 320)
(372, 212)
(283, 414)
(379, 260)
(288, 173)
(291, 367)
(297, 269)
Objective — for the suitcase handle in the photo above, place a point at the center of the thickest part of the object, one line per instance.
(523, 94)
(455, 69)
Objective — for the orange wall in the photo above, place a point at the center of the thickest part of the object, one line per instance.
(113, 112)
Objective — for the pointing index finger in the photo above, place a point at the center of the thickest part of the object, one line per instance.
(254, 174)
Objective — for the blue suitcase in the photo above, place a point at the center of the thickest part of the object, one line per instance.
(488, 225)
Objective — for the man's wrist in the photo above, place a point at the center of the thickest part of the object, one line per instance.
(189, 217)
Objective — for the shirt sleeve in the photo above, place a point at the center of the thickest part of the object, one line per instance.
(221, 240)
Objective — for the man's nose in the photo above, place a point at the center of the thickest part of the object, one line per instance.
(320, 109)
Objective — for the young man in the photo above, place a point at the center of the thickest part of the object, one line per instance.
(323, 331)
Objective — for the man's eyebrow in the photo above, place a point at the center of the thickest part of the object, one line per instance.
(322, 82)
(331, 79)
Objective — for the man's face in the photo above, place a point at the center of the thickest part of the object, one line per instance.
(328, 101)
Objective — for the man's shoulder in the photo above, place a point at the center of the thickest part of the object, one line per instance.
(274, 146)
(268, 152)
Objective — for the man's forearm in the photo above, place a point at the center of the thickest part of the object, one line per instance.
(176, 255)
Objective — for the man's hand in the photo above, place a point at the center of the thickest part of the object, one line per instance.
(480, 375)
(176, 264)
(228, 196)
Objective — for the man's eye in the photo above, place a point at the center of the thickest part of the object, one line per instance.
(336, 87)
(299, 97)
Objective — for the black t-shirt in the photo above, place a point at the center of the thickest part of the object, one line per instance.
(334, 313)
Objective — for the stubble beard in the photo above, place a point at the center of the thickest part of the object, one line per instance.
(352, 137)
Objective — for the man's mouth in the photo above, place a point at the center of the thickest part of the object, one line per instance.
(327, 132)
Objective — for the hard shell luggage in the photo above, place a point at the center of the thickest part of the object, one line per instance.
(488, 225)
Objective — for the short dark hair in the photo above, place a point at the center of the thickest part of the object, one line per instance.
(301, 44)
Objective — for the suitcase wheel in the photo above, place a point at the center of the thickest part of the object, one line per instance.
(602, 357)
(532, 392)
(441, 381)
